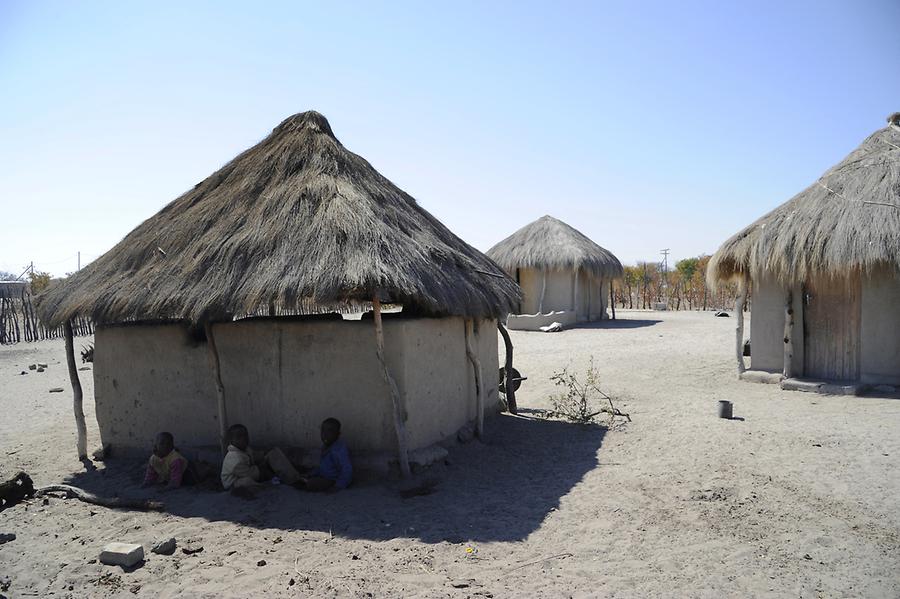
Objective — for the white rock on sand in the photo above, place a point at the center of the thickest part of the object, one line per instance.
(800, 498)
(122, 554)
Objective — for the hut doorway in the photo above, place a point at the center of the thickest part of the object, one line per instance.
(831, 319)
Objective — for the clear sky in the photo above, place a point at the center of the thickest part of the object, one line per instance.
(643, 124)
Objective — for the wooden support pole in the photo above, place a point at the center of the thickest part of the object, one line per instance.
(77, 393)
(788, 334)
(612, 298)
(2, 320)
(479, 378)
(543, 291)
(399, 416)
(220, 388)
(508, 366)
(575, 295)
(739, 329)
(590, 291)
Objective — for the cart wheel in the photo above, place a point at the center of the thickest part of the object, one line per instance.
(517, 379)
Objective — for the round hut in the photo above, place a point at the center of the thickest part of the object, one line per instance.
(565, 277)
(824, 269)
(226, 306)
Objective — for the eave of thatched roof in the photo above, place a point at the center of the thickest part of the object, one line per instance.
(848, 219)
(551, 243)
(297, 222)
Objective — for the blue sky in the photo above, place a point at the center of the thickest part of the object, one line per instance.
(644, 124)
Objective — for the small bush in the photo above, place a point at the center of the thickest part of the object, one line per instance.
(39, 281)
(576, 402)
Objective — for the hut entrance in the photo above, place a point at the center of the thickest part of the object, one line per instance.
(831, 317)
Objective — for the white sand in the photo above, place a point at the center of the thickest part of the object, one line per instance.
(800, 499)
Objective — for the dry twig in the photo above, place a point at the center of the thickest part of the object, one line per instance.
(111, 502)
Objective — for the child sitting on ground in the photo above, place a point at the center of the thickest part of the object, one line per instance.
(240, 470)
(166, 466)
(335, 470)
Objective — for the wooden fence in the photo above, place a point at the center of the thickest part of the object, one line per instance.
(19, 322)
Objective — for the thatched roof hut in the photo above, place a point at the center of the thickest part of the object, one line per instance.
(828, 255)
(13, 289)
(551, 261)
(848, 219)
(297, 222)
(296, 225)
(549, 243)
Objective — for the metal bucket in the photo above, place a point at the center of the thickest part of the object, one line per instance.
(725, 409)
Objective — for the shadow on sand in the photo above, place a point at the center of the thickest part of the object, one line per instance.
(619, 323)
(499, 490)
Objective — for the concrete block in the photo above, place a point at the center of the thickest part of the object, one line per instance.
(823, 387)
(122, 554)
(761, 376)
(533, 322)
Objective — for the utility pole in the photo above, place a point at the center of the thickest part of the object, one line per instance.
(29, 268)
(79, 261)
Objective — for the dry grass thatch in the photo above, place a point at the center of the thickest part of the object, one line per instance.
(297, 222)
(551, 243)
(848, 219)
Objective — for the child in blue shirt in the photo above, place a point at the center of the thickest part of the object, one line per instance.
(335, 471)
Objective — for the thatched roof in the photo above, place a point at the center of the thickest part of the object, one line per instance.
(298, 222)
(551, 243)
(848, 219)
(13, 289)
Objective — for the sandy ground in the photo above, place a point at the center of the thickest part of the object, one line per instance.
(799, 497)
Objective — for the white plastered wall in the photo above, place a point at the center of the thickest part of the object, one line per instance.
(282, 377)
(879, 339)
(767, 326)
(590, 297)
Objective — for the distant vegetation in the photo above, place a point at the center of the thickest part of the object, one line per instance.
(39, 281)
(682, 288)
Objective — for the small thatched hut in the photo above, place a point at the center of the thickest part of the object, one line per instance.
(825, 273)
(226, 307)
(564, 276)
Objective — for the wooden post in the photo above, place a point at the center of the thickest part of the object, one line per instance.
(739, 329)
(2, 320)
(220, 388)
(543, 291)
(399, 416)
(479, 378)
(575, 295)
(788, 334)
(77, 393)
(612, 298)
(508, 365)
(590, 288)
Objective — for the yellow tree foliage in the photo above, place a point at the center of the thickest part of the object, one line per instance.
(39, 281)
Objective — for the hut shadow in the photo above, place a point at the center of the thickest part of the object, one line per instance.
(619, 323)
(498, 490)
